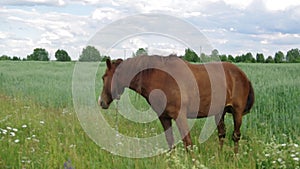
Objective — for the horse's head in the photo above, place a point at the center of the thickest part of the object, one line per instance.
(111, 88)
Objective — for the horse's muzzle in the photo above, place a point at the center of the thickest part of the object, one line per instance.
(102, 103)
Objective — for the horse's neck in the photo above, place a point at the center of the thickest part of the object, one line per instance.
(138, 84)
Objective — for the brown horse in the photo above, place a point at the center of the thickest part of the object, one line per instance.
(178, 90)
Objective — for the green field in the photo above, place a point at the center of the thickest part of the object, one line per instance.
(40, 129)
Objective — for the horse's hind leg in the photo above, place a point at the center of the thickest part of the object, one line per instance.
(237, 118)
(219, 119)
(167, 125)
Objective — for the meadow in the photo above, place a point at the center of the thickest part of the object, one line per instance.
(39, 127)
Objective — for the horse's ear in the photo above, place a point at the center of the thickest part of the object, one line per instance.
(108, 63)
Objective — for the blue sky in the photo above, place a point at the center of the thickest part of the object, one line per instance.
(232, 26)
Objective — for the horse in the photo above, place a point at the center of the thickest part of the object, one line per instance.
(153, 78)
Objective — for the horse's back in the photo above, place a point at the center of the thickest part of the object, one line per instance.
(220, 82)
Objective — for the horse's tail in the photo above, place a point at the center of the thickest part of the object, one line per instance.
(250, 100)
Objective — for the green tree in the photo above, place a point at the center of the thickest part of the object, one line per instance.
(279, 56)
(293, 56)
(62, 55)
(141, 52)
(223, 58)
(214, 55)
(231, 59)
(39, 54)
(5, 57)
(191, 56)
(15, 58)
(104, 58)
(248, 58)
(238, 59)
(260, 58)
(90, 54)
(204, 58)
(269, 59)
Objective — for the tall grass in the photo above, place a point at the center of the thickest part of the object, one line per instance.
(39, 127)
(47, 83)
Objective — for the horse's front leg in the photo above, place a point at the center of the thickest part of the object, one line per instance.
(167, 125)
(181, 122)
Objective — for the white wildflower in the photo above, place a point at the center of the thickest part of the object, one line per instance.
(296, 145)
(8, 128)
(15, 130)
(42, 122)
(72, 145)
(24, 126)
(267, 155)
(283, 145)
(279, 160)
(33, 136)
(17, 140)
(4, 131)
(296, 158)
(12, 134)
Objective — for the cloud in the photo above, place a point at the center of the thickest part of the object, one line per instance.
(278, 5)
(153, 44)
(33, 2)
(232, 26)
(4, 35)
(25, 30)
(238, 3)
(106, 14)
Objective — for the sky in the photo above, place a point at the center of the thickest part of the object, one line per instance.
(232, 26)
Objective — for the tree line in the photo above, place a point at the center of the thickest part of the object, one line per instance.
(292, 56)
(90, 54)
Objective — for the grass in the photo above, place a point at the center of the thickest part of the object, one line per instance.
(40, 129)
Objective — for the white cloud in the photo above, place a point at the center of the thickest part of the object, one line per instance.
(280, 5)
(264, 42)
(239, 3)
(3, 35)
(191, 14)
(106, 14)
(233, 26)
(44, 41)
(52, 31)
(155, 44)
(33, 2)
